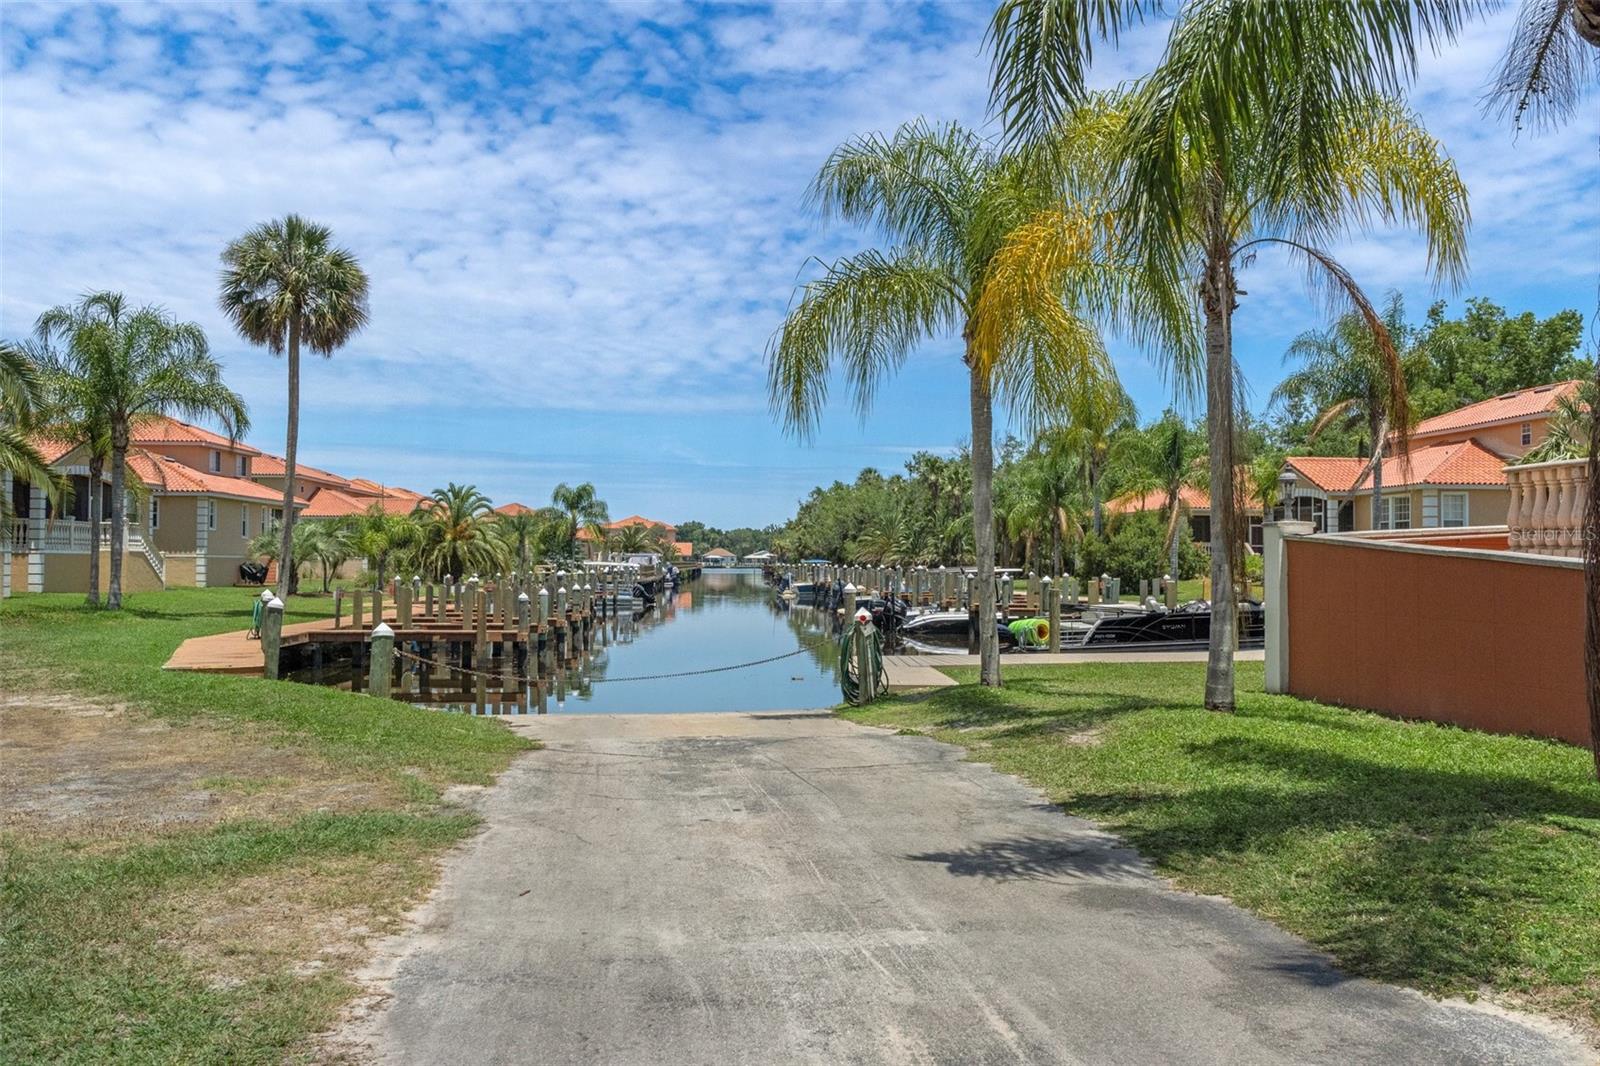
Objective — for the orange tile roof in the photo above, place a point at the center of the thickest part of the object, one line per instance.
(1461, 463)
(269, 465)
(1509, 407)
(163, 474)
(720, 553)
(336, 503)
(52, 449)
(360, 486)
(159, 429)
(1156, 499)
(639, 520)
(685, 548)
(513, 509)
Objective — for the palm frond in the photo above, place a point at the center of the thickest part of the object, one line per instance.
(1546, 68)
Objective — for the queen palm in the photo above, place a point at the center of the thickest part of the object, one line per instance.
(1255, 131)
(458, 533)
(583, 508)
(1343, 368)
(285, 284)
(114, 367)
(22, 401)
(943, 201)
(522, 533)
(1165, 458)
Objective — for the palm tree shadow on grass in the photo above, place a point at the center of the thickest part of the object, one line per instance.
(1419, 875)
(968, 708)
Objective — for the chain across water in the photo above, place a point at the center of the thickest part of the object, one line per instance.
(604, 680)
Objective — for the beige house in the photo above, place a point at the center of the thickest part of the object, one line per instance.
(1452, 477)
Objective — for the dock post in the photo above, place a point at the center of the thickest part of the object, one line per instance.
(1170, 588)
(866, 677)
(377, 606)
(356, 612)
(1052, 612)
(381, 669)
(427, 603)
(271, 637)
(1115, 587)
(338, 608)
(480, 620)
(561, 601)
(544, 606)
(402, 606)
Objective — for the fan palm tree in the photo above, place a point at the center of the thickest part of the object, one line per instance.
(583, 508)
(114, 367)
(944, 201)
(285, 284)
(458, 533)
(1256, 131)
(1343, 367)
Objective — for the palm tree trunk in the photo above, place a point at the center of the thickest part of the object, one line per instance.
(119, 517)
(286, 567)
(1172, 558)
(983, 525)
(1379, 444)
(1217, 293)
(1591, 583)
(97, 469)
(1094, 495)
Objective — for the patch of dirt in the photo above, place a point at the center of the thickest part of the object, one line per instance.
(101, 771)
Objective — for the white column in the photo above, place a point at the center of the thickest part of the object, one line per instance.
(1330, 512)
(1275, 575)
(1430, 509)
(202, 511)
(35, 536)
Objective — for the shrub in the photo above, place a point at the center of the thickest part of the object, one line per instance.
(1135, 550)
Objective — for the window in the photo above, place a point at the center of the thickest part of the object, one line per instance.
(1452, 508)
(155, 512)
(244, 520)
(211, 513)
(1527, 433)
(1395, 513)
(241, 465)
(216, 461)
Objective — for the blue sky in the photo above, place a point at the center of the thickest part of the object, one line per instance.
(582, 223)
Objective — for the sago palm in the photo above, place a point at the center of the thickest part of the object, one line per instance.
(114, 366)
(284, 284)
(943, 202)
(1255, 131)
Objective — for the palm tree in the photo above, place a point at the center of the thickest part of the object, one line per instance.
(458, 532)
(113, 367)
(1344, 370)
(525, 533)
(583, 508)
(283, 284)
(22, 407)
(1554, 56)
(325, 543)
(1166, 458)
(380, 537)
(633, 538)
(944, 201)
(1255, 131)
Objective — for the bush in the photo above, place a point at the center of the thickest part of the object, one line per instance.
(1135, 551)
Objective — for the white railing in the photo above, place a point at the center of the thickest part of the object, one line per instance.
(1545, 512)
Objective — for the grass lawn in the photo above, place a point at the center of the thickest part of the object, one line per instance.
(193, 863)
(1453, 861)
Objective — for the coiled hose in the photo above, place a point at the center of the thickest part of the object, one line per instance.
(849, 678)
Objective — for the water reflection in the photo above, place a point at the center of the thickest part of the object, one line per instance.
(726, 617)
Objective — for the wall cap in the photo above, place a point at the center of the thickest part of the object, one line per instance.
(1365, 539)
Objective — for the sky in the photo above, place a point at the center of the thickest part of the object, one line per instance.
(583, 223)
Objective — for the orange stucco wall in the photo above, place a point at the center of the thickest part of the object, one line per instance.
(1485, 643)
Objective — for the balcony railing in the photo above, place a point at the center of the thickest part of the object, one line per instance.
(1545, 512)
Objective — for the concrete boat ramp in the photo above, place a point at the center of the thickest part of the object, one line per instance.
(668, 890)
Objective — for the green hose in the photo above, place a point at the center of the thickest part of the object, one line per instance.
(849, 681)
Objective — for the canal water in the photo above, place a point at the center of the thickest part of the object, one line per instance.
(724, 618)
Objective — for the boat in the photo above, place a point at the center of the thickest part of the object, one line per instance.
(1187, 626)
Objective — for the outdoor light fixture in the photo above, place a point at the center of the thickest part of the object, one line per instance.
(1286, 484)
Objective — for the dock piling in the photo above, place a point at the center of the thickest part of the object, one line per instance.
(381, 669)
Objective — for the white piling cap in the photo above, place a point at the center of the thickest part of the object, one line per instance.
(1045, 580)
(522, 597)
(382, 630)
(266, 594)
(274, 604)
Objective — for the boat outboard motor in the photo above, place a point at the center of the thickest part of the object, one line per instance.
(642, 594)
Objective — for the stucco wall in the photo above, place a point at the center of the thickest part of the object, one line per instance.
(1503, 440)
(70, 573)
(176, 531)
(180, 571)
(1492, 643)
(1485, 506)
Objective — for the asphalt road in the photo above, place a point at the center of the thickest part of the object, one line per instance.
(721, 889)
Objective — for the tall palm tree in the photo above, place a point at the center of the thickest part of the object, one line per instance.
(1343, 368)
(458, 533)
(1166, 458)
(284, 284)
(943, 201)
(22, 407)
(113, 366)
(583, 508)
(1255, 131)
(1554, 56)
(523, 534)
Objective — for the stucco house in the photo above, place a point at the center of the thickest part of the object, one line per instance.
(1452, 477)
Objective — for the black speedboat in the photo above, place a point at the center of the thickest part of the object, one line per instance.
(1189, 626)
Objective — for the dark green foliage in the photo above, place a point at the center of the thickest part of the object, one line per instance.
(1136, 550)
